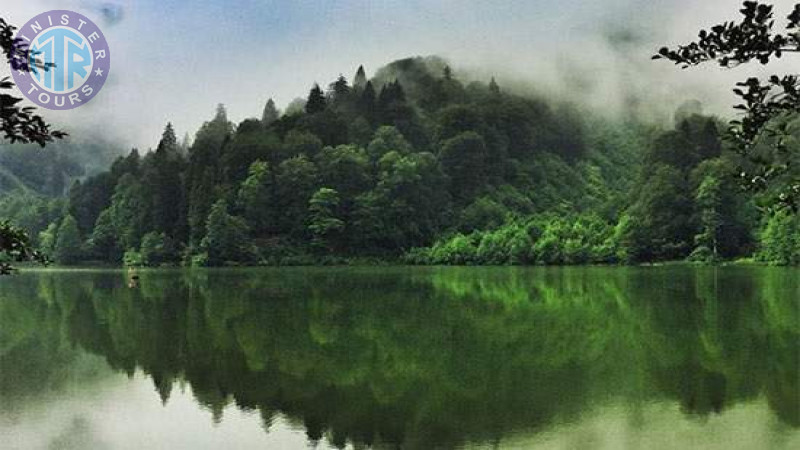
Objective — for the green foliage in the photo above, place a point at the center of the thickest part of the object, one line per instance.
(765, 103)
(256, 199)
(15, 246)
(780, 239)
(537, 240)
(157, 249)
(324, 224)
(226, 237)
(659, 227)
(316, 100)
(270, 114)
(104, 243)
(132, 258)
(464, 158)
(68, 242)
(414, 158)
(48, 239)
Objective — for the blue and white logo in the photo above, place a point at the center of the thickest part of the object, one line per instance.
(65, 57)
(71, 54)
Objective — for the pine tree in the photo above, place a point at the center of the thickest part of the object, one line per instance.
(168, 142)
(221, 115)
(270, 114)
(316, 100)
(493, 87)
(360, 80)
(164, 186)
(340, 88)
(448, 73)
(367, 102)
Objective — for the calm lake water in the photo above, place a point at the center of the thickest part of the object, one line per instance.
(412, 358)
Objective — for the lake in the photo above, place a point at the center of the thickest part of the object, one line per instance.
(668, 357)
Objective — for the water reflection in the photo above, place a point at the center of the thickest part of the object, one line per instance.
(416, 358)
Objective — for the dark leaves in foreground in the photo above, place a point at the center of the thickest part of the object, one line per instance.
(731, 44)
(20, 124)
(15, 247)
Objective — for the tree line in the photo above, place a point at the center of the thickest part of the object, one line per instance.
(416, 165)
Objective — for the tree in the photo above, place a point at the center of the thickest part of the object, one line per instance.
(19, 124)
(464, 158)
(360, 80)
(658, 224)
(447, 73)
(367, 102)
(205, 170)
(324, 225)
(385, 140)
(722, 212)
(16, 246)
(709, 200)
(164, 186)
(256, 199)
(344, 168)
(270, 114)
(340, 90)
(68, 242)
(316, 100)
(493, 87)
(156, 249)
(731, 44)
(295, 183)
(103, 243)
(299, 142)
(129, 212)
(406, 207)
(47, 239)
(780, 239)
(226, 236)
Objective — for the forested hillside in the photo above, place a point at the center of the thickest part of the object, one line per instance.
(412, 165)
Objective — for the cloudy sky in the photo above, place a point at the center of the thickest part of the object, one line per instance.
(174, 60)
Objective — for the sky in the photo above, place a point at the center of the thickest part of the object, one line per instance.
(175, 60)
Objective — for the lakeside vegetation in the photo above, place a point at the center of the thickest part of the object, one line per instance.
(414, 166)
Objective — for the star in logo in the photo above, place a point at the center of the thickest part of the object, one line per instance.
(98, 72)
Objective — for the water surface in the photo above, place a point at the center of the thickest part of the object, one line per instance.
(417, 358)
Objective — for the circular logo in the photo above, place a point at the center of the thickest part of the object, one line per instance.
(61, 59)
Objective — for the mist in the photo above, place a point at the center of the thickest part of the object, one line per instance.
(174, 62)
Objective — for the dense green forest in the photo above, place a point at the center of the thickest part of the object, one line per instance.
(411, 165)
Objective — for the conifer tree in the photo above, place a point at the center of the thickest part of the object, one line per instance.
(493, 87)
(316, 100)
(270, 114)
(340, 88)
(360, 80)
(367, 102)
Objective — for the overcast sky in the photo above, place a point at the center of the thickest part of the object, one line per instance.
(174, 60)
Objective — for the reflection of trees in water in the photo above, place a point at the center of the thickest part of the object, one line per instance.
(432, 357)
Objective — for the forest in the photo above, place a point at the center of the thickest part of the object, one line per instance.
(414, 165)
